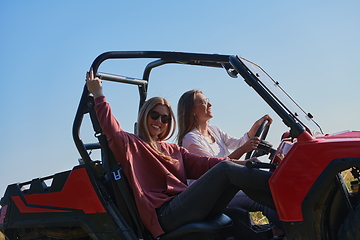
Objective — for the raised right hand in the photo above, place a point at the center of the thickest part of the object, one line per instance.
(94, 85)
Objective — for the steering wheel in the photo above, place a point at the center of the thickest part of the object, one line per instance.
(261, 132)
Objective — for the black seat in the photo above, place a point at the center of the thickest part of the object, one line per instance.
(215, 227)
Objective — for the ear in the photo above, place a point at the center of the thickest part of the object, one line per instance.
(193, 111)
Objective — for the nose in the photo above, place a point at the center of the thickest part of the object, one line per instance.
(158, 119)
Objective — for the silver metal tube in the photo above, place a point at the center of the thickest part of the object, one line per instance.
(118, 78)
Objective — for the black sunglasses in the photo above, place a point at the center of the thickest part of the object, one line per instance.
(155, 116)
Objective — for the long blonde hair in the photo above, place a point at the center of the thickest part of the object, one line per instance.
(142, 127)
(186, 118)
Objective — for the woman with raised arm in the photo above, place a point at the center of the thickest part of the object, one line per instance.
(199, 137)
(158, 171)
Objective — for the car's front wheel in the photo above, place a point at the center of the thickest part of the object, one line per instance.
(350, 230)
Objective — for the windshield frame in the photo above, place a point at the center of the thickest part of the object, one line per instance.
(291, 113)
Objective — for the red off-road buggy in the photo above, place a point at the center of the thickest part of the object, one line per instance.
(94, 201)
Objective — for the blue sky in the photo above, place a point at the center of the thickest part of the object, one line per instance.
(310, 47)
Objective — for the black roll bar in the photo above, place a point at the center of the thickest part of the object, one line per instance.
(161, 58)
(232, 64)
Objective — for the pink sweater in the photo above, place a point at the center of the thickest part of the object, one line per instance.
(153, 179)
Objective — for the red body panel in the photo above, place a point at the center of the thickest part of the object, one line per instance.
(77, 193)
(302, 166)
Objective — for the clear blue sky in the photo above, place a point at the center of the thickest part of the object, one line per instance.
(310, 47)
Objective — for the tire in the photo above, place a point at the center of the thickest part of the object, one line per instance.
(350, 230)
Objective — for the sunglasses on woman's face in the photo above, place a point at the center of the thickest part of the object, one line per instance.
(205, 101)
(155, 116)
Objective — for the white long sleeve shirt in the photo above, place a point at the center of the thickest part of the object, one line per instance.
(224, 144)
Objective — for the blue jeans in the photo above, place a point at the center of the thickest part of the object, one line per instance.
(212, 192)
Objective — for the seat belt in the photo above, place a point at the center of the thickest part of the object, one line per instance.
(119, 184)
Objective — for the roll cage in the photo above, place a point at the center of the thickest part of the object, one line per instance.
(233, 65)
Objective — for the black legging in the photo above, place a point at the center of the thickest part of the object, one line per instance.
(211, 193)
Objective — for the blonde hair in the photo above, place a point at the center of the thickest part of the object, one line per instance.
(142, 127)
(186, 118)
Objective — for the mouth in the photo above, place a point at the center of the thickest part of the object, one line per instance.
(155, 126)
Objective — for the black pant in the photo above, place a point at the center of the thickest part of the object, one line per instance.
(211, 193)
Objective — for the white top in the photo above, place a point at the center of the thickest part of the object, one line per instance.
(197, 143)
